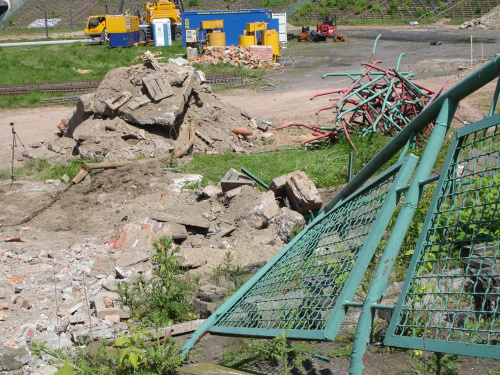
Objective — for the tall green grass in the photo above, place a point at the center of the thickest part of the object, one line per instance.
(41, 169)
(326, 167)
(60, 62)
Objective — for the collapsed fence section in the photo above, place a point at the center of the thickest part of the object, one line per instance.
(451, 292)
(450, 297)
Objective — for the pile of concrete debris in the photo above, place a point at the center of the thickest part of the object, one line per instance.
(144, 110)
(255, 57)
(62, 269)
(490, 21)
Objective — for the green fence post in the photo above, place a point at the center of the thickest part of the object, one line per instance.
(386, 262)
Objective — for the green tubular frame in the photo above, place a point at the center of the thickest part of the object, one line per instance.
(449, 300)
(440, 110)
(388, 259)
(324, 252)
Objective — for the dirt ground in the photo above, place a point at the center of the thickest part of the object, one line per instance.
(69, 248)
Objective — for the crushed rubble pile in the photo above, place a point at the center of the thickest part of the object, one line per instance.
(144, 110)
(490, 21)
(235, 56)
(61, 270)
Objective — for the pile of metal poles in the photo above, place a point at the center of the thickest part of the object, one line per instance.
(378, 100)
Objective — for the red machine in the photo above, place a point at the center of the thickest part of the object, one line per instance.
(327, 30)
(328, 27)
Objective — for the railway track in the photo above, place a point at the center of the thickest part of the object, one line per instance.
(80, 87)
(50, 87)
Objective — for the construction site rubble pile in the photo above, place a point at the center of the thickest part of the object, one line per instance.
(143, 110)
(490, 21)
(235, 56)
(61, 271)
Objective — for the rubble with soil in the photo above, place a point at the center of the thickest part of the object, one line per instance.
(490, 21)
(60, 271)
(142, 111)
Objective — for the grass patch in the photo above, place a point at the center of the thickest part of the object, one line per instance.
(41, 169)
(31, 100)
(59, 62)
(327, 166)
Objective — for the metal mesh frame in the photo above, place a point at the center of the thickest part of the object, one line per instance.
(450, 297)
(300, 289)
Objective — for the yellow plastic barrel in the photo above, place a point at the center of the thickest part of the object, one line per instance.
(272, 38)
(247, 40)
(216, 38)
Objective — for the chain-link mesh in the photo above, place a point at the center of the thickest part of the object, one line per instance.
(299, 291)
(454, 289)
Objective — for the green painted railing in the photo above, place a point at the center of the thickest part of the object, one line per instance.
(450, 297)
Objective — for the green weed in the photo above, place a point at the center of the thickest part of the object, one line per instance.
(278, 351)
(166, 298)
(326, 167)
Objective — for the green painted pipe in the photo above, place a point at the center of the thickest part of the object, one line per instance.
(494, 100)
(257, 180)
(391, 250)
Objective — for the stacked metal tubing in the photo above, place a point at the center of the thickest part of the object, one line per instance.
(378, 100)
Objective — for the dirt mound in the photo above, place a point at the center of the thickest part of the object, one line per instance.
(142, 111)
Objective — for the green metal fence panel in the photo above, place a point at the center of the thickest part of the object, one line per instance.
(450, 297)
(303, 291)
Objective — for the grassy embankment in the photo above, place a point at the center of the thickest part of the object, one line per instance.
(77, 62)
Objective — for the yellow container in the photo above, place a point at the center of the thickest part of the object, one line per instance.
(122, 24)
(247, 40)
(272, 38)
(217, 38)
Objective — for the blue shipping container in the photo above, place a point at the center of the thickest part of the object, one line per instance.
(123, 39)
(235, 21)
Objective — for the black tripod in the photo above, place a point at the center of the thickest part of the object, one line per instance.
(15, 139)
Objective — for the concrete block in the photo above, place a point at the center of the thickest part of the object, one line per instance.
(234, 179)
(118, 101)
(265, 211)
(302, 193)
(138, 102)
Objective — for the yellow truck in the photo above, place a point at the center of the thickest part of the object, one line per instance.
(96, 25)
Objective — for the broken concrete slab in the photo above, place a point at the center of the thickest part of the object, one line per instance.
(289, 223)
(278, 185)
(83, 337)
(131, 258)
(190, 179)
(302, 193)
(234, 179)
(189, 258)
(193, 221)
(158, 86)
(265, 211)
(100, 302)
(116, 102)
(211, 191)
(138, 102)
(175, 231)
(165, 112)
(12, 359)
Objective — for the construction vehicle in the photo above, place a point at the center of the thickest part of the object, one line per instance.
(96, 25)
(329, 26)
